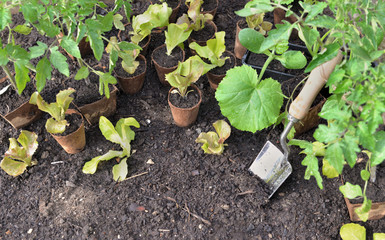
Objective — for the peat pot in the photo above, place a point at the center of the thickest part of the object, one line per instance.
(23, 115)
(184, 117)
(75, 141)
(103, 107)
(239, 49)
(201, 36)
(214, 77)
(133, 83)
(161, 68)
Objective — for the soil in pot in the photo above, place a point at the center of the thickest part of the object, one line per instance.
(160, 56)
(125, 36)
(210, 6)
(188, 101)
(239, 49)
(74, 121)
(216, 75)
(204, 34)
(174, 5)
(139, 6)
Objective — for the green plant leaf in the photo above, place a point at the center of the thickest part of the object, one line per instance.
(308, 35)
(329, 54)
(82, 73)
(120, 171)
(350, 148)
(292, 59)
(22, 29)
(43, 73)
(109, 131)
(365, 175)
(123, 128)
(13, 167)
(3, 57)
(353, 231)
(175, 35)
(210, 141)
(363, 211)
(379, 151)
(104, 80)
(379, 236)
(351, 191)
(5, 17)
(118, 22)
(334, 154)
(313, 9)
(312, 169)
(55, 127)
(63, 99)
(21, 76)
(97, 44)
(59, 61)
(251, 39)
(223, 129)
(91, 166)
(248, 104)
(328, 170)
(280, 34)
(37, 51)
(70, 46)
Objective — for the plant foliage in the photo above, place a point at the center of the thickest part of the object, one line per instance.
(213, 142)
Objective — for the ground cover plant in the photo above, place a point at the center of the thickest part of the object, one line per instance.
(173, 190)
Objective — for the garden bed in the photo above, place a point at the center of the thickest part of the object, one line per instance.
(174, 190)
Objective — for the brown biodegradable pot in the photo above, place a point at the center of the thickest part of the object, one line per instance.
(75, 141)
(103, 107)
(311, 120)
(239, 49)
(143, 44)
(202, 42)
(23, 115)
(184, 117)
(132, 85)
(377, 211)
(162, 71)
(215, 79)
(174, 13)
(212, 11)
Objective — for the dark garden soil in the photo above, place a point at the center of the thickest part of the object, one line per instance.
(160, 56)
(204, 34)
(171, 3)
(190, 100)
(174, 190)
(229, 63)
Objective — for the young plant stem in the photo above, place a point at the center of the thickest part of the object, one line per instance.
(10, 77)
(271, 58)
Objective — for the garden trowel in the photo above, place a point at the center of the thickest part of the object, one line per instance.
(271, 165)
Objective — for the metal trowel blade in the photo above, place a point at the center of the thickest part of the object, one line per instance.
(271, 166)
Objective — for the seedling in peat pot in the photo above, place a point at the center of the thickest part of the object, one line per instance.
(57, 123)
(213, 142)
(18, 158)
(194, 18)
(121, 134)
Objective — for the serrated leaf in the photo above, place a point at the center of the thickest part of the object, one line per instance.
(353, 231)
(312, 169)
(43, 73)
(91, 166)
(70, 46)
(280, 34)
(118, 22)
(350, 148)
(329, 54)
(22, 29)
(248, 104)
(328, 133)
(97, 44)
(3, 57)
(328, 170)
(37, 51)
(351, 191)
(59, 61)
(82, 73)
(5, 17)
(335, 156)
(120, 171)
(379, 151)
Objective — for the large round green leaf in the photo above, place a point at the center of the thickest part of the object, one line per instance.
(248, 104)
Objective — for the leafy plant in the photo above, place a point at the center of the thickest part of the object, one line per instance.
(175, 35)
(256, 22)
(356, 231)
(187, 73)
(194, 18)
(67, 23)
(213, 142)
(213, 50)
(121, 134)
(17, 158)
(156, 15)
(57, 123)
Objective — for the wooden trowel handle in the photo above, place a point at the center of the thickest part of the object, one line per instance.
(317, 79)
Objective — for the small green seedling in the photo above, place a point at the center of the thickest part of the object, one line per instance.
(188, 72)
(256, 22)
(122, 134)
(355, 231)
(213, 50)
(175, 35)
(213, 142)
(57, 123)
(18, 158)
(194, 18)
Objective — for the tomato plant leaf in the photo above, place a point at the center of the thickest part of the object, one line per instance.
(378, 236)
(22, 29)
(59, 61)
(5, 17)
(37, 51)
(351, 191)
(21, 76)
(334, 154)
(329, 54)
(328, 170)
(82, 73)
(379, 151)
(109, 131)
(97, 44)
(43, 73)
(70, 46)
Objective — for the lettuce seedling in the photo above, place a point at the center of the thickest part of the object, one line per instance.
(213, 50)
(213, 142)
(121, 134)
(175, 35)
(355, 231)
(57, 123)
(256, 22)
(18, 158)
(194, 18)
(156, 15)
(188, 72)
